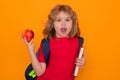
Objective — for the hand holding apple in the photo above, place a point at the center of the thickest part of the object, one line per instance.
(28, 35)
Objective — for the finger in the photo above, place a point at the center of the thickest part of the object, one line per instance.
(80, 59)
(31, 41)
(24, 40)
(79, 64)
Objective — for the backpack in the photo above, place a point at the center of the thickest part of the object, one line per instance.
(29, 72)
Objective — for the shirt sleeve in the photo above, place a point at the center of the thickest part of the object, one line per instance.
(41, 54)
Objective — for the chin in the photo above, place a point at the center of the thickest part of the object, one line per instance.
(63, 36)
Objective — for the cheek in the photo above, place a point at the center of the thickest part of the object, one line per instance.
(70, 23)
(70, 26)
(56, 25)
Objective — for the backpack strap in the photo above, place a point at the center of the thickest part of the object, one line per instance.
(46, 50)
(81, 40)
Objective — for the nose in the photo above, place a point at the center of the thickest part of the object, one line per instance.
(63, 23)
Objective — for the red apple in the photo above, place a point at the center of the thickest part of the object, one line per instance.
(28, 35)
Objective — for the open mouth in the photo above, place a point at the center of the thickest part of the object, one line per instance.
(63, 30)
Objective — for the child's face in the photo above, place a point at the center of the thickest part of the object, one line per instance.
(62, 24)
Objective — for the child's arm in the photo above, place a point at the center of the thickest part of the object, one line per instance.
(38, 67)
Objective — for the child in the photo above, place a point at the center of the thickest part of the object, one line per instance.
(62, 30)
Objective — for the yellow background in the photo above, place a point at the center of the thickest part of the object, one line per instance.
(99, 23)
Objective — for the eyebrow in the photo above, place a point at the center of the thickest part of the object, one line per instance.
(60, 17)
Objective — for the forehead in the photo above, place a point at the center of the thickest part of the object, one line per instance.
(63, 14)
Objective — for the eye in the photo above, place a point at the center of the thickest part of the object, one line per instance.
(68, 19)
(58, 20)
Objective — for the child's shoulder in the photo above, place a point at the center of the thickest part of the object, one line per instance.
(44, 41)
(78, 37)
